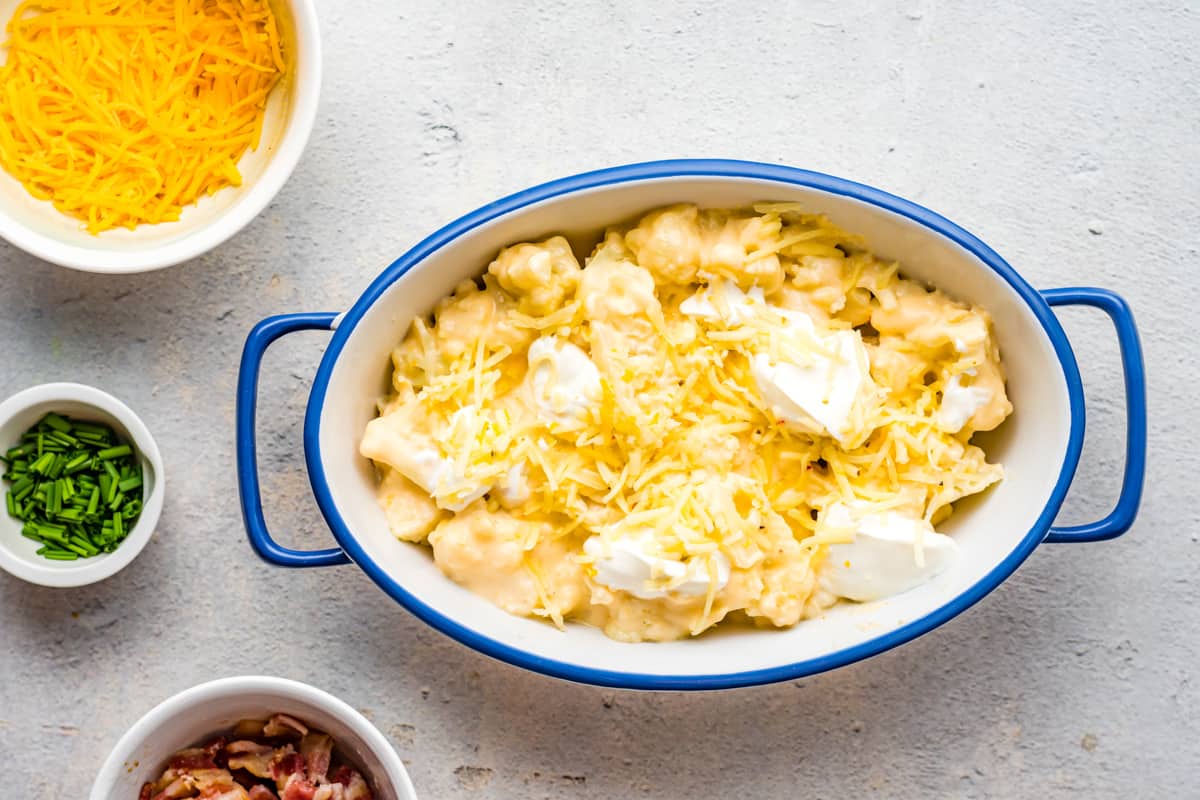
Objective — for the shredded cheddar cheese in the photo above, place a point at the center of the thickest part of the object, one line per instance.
(123, 112)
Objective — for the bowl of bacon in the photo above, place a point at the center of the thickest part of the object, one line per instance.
(253, 738)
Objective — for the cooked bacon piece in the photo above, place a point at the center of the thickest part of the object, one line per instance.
(179, 787)
(297, 788)
(225, 791)
(248, 728)
(147, 791)
(317, 749)
(283, 725)
(262, 793)
(191, 759)
(356, 787)
(286, 765)
(251, 756)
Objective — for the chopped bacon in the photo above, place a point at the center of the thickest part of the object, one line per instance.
(317, 748)
(287, 764)
(180, 787)
(251, 756)
(283, 725)
(230, 770)
(191, 759)
(356, 787)
(248, 728)
(297, 788)
(330, 791)
(224, 791)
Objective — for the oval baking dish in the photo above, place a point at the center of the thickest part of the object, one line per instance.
(1039, 446)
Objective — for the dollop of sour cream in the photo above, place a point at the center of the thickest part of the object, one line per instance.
(959, 403)
(440, 476)
(724, 301)
(890, 554)
(816, 397)
(564, 381)
(514, 486)
(629, 564)
(819, 396)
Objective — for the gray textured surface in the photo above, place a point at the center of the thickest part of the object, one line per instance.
(1029, 125)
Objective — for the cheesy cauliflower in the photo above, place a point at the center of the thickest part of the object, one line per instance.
(721, 414)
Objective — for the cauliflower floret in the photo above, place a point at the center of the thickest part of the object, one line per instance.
(470, 314)
(928, 319)
(613, 288)
(492, 553)
(668, 243)
(744, 248)
(411, 513)
(542, 276)
(787, 589)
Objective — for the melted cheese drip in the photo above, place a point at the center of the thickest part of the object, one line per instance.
(123, 112)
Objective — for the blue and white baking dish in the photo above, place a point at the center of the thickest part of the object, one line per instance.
(1039, 445)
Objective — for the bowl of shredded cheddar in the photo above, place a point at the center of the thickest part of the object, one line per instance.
(137, 134)
(687, 424)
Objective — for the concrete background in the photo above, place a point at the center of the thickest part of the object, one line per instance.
(1064, 136)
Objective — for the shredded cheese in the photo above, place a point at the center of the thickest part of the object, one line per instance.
(123, 112)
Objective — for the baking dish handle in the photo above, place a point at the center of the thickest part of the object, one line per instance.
(1122, 516)
(260, 338)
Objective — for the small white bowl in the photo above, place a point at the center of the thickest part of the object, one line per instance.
(37, 227)
(18, 555)
(203, 711)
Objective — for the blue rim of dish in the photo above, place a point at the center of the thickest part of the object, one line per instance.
(658, 170)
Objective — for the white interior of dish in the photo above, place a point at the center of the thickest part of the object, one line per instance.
(203, 712)
(38, 226)
(1031, 444)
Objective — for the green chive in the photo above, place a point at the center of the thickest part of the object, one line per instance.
(56, 422)
(75, 487)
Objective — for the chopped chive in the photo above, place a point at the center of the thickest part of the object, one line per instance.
(76, 487)
(85, 545)
(77, 463)
(56, 422)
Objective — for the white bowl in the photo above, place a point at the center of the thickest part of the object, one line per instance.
(18, 555)
(37, 227)
(1039, 445)
(201, 712)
